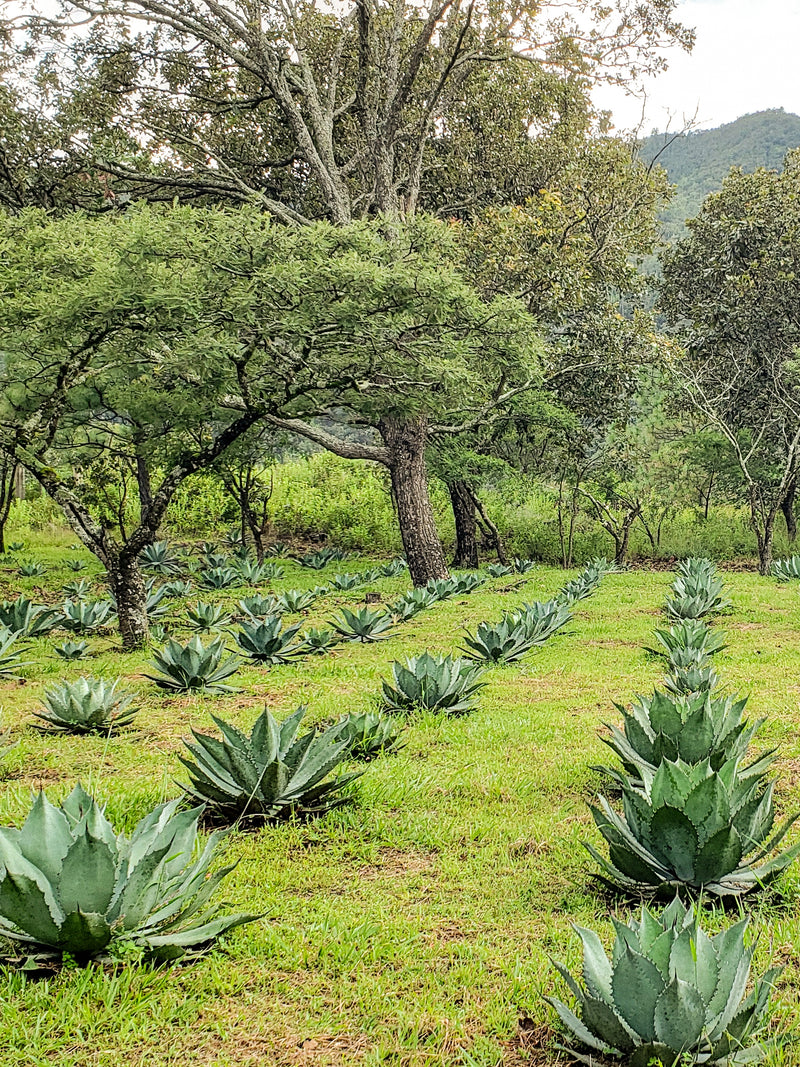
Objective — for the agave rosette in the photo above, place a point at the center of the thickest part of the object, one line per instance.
(433, 683)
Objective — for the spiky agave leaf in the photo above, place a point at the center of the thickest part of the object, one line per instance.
(86, 706)
(363, 625)
(206, 617)
(71, 650)
(668, 995)
(501, 642)
(692, 679)
(69, 883)
(84, 616)
(433, 683)
(786, 570)
(26, 618)
(296, 599)
(194, 666)
(369, 734)
(689, 827)
(690, 635)
(541, 619)
(160, 558)
(10, 664)
(268, 774)
(268, 642)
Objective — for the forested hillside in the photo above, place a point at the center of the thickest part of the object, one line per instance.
(697, 162)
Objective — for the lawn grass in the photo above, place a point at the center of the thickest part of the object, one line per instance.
(413, 926)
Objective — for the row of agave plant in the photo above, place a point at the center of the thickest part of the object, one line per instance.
(697, 822)
(70, 884)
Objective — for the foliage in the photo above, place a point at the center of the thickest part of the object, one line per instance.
(24, 617)
(296, 599)
(267, 642)
(433, 683)
(362, 625)
(317, 642)
(270, 773)
(259, 607)
(9, 649)
(86, 706)
(71, 650)
(219, 578)
(194, 666)
(160, 558)
(369, 735)
(669, 994)
(206, 617)
(70, 884)
(502, 642)
(83, 616)
(786, 570)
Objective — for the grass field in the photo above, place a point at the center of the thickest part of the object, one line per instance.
(415, 925)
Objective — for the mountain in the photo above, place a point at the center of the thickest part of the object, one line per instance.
(697, 162)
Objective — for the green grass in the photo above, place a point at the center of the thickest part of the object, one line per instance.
(414, 926)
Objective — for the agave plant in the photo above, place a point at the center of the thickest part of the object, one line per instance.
(86, 706)
(32, 568)
(178, 588)
(404, 610)
(499, 570)
(690, 727)
(279, 548)
(363, 625)
(9, 663)
(416, 600)
(433, 683)
(690, 827)
(523, 566)
(669, 994)
(71, 884)
(270, 773)
(268, 642)
(251, 571)
(84, 616)
(693, 679)
(194, 666)
(468, 582)
(219, 578)
(79, 589)
(296, 599)
(213, 560)
(27, 618)
(15, 546)
(786, 570)
(203, 618)
(160, 558)
(540, 619)
(317, 560)
(71, 650)
(696, 594)
(696, 568)
(156, 606)
(368, 735)
(76, 565)
(273, 570)
(393, 569)
(259, 607)
(343, 582)
(318, 642)
(500, 642)
(442, 588)
(233, 538)
(579, 588)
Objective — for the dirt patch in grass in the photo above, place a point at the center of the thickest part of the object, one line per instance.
(532, 1046)
(325, 1050)
(395, 862)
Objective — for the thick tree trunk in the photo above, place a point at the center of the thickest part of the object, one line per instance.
(787, 507)
(405, 441)
(127, 583)
(465, 515)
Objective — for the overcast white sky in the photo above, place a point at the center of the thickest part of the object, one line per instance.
(746, 58)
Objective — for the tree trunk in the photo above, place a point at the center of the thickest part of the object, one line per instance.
(405, 440)
(464, 512)
(787, 507)
(127, 583)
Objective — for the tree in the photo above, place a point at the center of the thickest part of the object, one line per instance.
(731, 299)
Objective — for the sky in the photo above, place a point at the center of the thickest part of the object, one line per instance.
(745, 59)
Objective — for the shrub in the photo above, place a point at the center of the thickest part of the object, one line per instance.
(206, 617)
(369, 735)
(268, 642)
(27, 618)
(362, 625)
(86, 706)
(193, 666)
(433, 683)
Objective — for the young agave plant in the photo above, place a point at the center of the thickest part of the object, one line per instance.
(86, 706)
(84, 616)
(32, 568)
(368, 735)
(498, 570)
(501, 642)
(467, 582)
(689, 635)
(26, 618)
(696, 567)
(251, 571)
(213, 560)
(194, 666)
(442, 588)
(343, 582)
(435, 683)
(691, 727)
(10, 665)
(695, 595)
(71, 650)
(203, 618)
(296, 599)
(279, 548)
(76, 565)
(669, 995)
(177, 588)
(523, 566)
(318, 642)
(219, 578)
(541, 619)
(412, 602)
(270, 773)
(393, 569)
(316, 560)
(693, 679)
(363, 625)
(786, 570)
(690, 827)
(267, 642)
(160, 558)
(70, 883)
(259, 607)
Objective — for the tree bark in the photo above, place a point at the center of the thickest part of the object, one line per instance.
(405, 440)
(464, 513)
(127, 584)
(787, 507)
